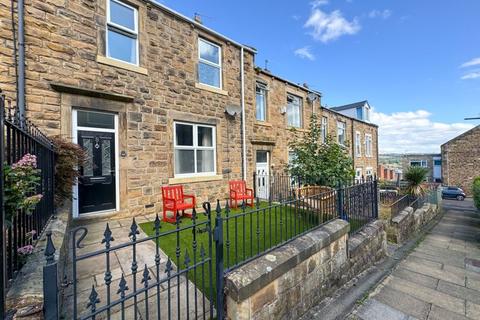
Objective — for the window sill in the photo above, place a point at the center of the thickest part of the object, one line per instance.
(194, 179)
(211, 89)
(263, 123)
(121, 65)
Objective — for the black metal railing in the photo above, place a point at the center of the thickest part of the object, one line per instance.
(18, 138)
(387, 197)
(415, 202)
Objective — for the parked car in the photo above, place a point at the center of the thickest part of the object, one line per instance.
(453, 193)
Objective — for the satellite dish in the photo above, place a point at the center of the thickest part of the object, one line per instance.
(233, 110)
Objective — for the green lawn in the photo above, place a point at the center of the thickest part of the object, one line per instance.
(246, 234)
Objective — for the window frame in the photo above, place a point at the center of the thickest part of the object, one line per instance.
(124, 31)
(344, 126)
(195, 147)
(300, 110)
(358, 144)
(201, 60)
(324, 129)
(263, 87)
(368, 146)
(368, 172)
(422, 162)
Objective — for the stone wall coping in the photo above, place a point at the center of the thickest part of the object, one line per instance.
(402, 215)
(253, 276)
(362, 238)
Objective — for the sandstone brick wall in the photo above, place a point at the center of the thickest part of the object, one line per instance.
(461, 160)
(64, 40)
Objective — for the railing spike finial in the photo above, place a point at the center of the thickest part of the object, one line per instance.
(107, 236)
(187, 259)
(218, 209)
(146, 276)
(133, 230)
(50, 249)
(93, 300)
(194, 215)
(257, 202)
(227, 207)
(168, 267)
(156, 224)
(122, 287)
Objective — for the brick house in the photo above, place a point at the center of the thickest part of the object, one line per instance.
(461, 160)
(156, 98)
(431, 161)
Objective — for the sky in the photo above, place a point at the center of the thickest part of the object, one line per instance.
(416, 62)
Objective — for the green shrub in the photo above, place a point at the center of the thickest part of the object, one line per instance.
(415, 177)
(476, 192)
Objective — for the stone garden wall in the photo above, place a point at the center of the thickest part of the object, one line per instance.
(407, 222)
(285, 283)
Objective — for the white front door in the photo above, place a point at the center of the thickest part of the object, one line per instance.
(262, 182)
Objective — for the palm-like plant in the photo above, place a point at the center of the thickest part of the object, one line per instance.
(415, 177)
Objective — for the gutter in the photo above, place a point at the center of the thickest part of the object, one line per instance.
(197, 25)
(242, 102)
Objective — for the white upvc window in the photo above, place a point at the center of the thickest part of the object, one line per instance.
(419, 163)
(368, 145)
(341, 132)
(358, 174)
(358, 144)
(209, 63)
(324, 129)
(195, 149)
(122, 32)
(294, 111)
(261, 101)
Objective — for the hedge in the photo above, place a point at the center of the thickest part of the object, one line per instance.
(476, 192)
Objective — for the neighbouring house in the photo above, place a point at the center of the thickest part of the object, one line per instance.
(358, 110)
(157, 98)
(461, 160)
(386, 173)
(432, 162)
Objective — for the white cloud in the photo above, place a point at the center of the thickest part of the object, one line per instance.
(414, 132)
(471, 63)
(471, 75)
(305, 53)
(318, 3)
(384, 14)
(329, 26)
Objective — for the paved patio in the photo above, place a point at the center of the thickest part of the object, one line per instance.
(440, 279)
(92, 272)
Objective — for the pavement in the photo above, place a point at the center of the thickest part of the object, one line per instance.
(439, 279)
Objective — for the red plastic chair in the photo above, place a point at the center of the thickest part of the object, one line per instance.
(174, 200)
(240, 192)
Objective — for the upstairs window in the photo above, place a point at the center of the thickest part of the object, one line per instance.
(341, 132)
(294, 111)
(360, 113)
(358, 144)
(261, 101)
(419, 163)
(194, 149)
(209, 64)
(122, 32)
(368, 145)
(324, 128)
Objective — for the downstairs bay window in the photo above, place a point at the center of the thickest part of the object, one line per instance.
(194, 149)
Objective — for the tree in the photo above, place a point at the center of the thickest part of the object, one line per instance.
(476, 192)
(415, 177)
(317, 162)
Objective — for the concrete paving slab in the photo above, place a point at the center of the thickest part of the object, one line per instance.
(375, 310)
(473, 310)
(438, 313)
(403, 302)
(415, 277)
(428, 295)
(459, 291)
(434, 272)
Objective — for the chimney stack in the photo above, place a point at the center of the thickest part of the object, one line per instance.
(197, 18)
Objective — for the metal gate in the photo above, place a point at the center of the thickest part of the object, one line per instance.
(188, 285)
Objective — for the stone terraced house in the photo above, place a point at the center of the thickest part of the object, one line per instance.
(156, 99)
(461, 160)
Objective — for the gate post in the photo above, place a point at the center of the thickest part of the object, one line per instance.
(50, 282)
(375, 197)
(218, 237)
(340, 202)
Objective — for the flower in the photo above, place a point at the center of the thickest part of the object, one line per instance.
(28, 160)
(25, 250)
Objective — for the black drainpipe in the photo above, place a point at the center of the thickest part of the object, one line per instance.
(21, 59)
